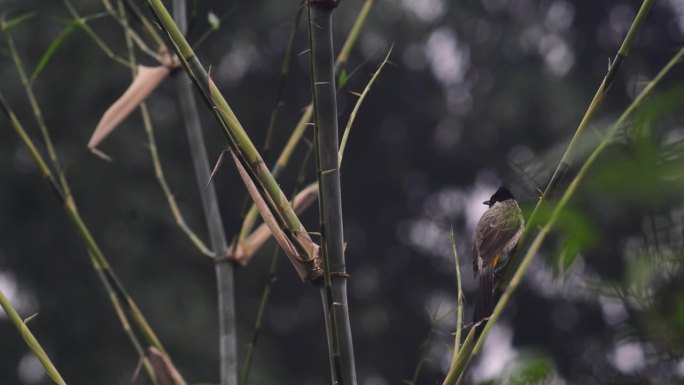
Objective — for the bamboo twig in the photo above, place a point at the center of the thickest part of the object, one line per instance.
(31, 340)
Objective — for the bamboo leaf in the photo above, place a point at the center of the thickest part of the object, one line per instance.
(342, 78)
(52, 49)
(11, 23)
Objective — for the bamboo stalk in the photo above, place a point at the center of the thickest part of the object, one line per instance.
(334, 290)
(223, 266)
(31, 340)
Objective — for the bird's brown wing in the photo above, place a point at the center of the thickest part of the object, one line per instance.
(491, 235)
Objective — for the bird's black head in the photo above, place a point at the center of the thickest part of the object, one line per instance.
(500, 195)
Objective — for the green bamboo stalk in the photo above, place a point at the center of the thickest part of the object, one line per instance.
(566, 159)
(307, 264)
(223, 266)
(31, 340)
(334, 290)
(562, 203)
(249, 220)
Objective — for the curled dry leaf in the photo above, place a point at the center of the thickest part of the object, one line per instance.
(145, 82)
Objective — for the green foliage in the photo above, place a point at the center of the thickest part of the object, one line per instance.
(532, 371)
(646, 168)
(576, 233)
(52, 49)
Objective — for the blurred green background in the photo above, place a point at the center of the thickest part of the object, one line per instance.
(481, 93)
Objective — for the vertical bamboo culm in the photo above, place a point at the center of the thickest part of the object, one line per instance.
(334, 290)
(224, 267)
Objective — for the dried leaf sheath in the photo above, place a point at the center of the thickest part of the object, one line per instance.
(309, 269)
(147, 80)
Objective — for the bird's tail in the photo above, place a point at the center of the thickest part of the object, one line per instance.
(485, 299)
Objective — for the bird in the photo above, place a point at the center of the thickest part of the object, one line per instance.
(497, 232)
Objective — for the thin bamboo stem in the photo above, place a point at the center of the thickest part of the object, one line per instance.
(96, 38)
(117, 293)
(566, 159)
(31, 340)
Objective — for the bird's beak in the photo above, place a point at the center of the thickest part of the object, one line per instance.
(486, 203)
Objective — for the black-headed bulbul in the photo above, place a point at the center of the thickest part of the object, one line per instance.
(496, 234)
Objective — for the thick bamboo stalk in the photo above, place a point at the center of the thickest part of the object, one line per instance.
(334, 290)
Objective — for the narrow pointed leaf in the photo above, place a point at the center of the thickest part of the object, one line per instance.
(52, 49)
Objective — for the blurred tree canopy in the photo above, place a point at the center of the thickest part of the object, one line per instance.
(481, 93)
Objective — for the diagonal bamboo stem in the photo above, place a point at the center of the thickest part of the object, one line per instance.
(117, 294)
(566, 159)
(457, 369)
(306, 261)
(31, 340)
